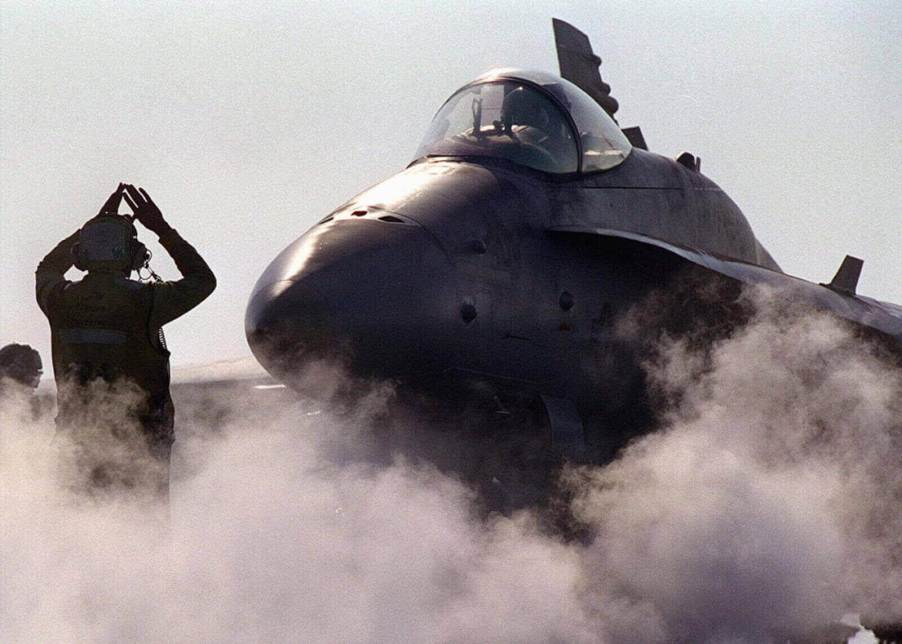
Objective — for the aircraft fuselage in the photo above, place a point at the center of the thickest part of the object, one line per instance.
(451, 269)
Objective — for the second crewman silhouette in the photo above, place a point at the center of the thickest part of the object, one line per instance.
(110, 358)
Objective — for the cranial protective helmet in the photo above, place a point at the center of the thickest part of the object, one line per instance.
(109, 242)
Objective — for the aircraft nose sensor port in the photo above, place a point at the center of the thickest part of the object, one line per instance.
(468, 312)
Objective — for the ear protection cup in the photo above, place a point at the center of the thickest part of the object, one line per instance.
(140, 255)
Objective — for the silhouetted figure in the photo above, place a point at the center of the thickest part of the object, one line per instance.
(20, 374)
(109, 354)
(20, 365)
(530, 119)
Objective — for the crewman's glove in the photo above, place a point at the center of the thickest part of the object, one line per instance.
(146, 211)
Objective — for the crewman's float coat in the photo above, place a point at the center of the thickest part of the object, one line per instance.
(110, 327)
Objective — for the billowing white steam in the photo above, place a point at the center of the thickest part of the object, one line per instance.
(771, 503)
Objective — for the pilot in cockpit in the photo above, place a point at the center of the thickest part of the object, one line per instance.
(531, 119)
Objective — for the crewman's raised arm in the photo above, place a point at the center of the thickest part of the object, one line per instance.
(175, 298)
(50, 276)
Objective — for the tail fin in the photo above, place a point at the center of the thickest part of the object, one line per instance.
(579, 64)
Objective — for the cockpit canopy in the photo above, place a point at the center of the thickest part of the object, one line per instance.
(530, 118)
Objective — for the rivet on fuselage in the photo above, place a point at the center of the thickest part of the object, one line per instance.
(467, 312)
(566, 301)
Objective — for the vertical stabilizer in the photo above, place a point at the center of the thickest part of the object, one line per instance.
(846, 278)
(579, 64)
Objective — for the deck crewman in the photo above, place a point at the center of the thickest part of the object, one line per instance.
(110, 358)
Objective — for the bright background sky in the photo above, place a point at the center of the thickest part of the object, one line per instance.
(248, 123)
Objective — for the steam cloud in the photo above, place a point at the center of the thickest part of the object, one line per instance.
(770, 503)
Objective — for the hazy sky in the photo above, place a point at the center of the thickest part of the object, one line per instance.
(248, 123)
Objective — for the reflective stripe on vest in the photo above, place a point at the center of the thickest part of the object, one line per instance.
(93, 336)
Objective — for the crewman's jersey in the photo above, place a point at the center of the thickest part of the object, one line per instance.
(109, 327)
(100, 328)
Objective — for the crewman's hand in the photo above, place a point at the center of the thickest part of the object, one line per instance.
(111, 205)
(145, 209)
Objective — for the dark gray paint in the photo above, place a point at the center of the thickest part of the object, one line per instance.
(390, 281)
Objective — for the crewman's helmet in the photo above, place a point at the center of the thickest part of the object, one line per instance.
(109, 243)
(21, 363)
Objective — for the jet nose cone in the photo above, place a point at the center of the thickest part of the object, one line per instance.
(376, 297)
(286, 323)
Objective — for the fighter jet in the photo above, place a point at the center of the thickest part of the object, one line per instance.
(506, 256)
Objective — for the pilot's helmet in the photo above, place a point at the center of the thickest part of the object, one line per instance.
(525, 106)
(21, 363)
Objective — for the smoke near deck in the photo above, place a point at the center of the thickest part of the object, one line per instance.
(767, 505)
